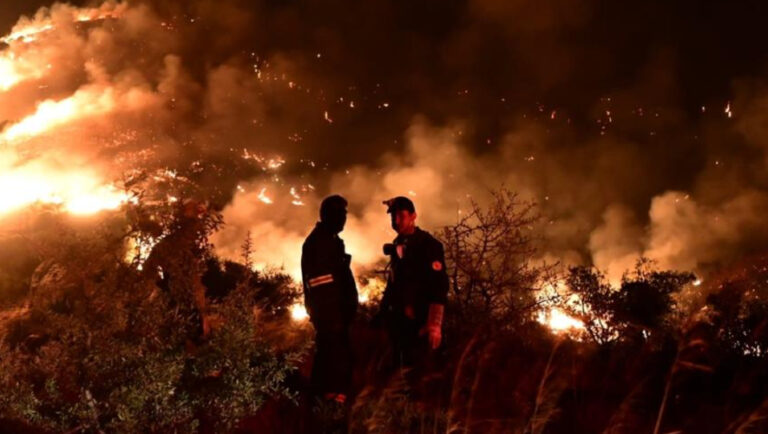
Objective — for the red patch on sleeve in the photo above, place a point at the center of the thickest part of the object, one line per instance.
(437, 265)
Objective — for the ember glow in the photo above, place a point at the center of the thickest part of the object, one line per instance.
(263, 196)
(371, 290)
(299, 312)
(79, 191)
(552, 297)
(52, 114)
(559, 321)
(27, 31)
(76, 193)
(20, 63)
(14, 70)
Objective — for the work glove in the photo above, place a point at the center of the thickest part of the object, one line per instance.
(433, 328)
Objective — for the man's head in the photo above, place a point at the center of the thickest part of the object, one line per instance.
(333, 212)
(403, 214)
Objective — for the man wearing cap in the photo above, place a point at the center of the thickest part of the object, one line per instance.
(330, 296)
(417, 288)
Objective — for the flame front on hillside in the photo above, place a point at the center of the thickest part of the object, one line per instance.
(558, 321)
(23, 182)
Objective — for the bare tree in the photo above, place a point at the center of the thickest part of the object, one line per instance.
(489, 253)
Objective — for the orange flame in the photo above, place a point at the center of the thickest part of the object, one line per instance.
(23, 181)
(299, 312)
(77, 193)
(554, 318)
(558, 321)
(28, 31)
(51, 114)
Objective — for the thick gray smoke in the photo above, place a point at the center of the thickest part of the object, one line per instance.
(626, 145)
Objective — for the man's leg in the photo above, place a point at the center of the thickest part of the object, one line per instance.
(332, 370)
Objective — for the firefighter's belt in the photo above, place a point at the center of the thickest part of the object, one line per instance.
(321, 280)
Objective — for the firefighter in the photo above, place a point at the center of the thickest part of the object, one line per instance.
(414, 299)
(330, 296)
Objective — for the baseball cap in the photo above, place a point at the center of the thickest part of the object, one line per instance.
(399, 203)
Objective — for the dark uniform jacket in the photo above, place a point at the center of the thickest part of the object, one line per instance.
(417, 276)
(330, 293)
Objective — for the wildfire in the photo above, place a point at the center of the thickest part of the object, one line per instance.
(372, 290)
(51, 114)
(296, 198)
(76, 193)
(27, 34)
(28, 31)
(559, 321)
(299, 312)
(138, 250)
(14, 70)
(555, 318)
(18, 65)
(263, 196)
(24, 180)
(104, 198)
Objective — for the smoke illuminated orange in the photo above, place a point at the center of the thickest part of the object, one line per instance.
(27, 32)
(76, 193)
(26, 181)
(51, 114)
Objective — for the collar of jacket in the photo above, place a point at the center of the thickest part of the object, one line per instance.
(324, 227)
(404, 239)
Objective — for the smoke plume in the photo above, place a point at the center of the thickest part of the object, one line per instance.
(631, 147)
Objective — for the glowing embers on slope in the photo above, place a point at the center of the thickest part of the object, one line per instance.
(14, 70)
(371, 291)
(555, 318)
(91, 102)
(559, 321)
(52, 178)
(299, 312)
(76, 192)
(29, 30)
(21, 62)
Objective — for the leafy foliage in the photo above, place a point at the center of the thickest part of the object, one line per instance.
(739, 309)
(91, 343)
(643, 304)
(100, 348)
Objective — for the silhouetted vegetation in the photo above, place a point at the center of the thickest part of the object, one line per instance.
(89, 343)
(95, 346)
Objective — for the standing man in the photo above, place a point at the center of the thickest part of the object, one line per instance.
(417, 288)
(330, 296)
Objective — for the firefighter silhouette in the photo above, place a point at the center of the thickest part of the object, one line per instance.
(330, 296)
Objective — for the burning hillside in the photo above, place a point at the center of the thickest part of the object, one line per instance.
(87, 100)
(597, 183)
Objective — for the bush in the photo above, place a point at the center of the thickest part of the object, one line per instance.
(100, 348)
(643, 305)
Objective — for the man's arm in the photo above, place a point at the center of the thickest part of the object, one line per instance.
(323, 281)
(437, 287)
(386, 298)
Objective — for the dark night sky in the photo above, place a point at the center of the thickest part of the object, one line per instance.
(706, 43)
